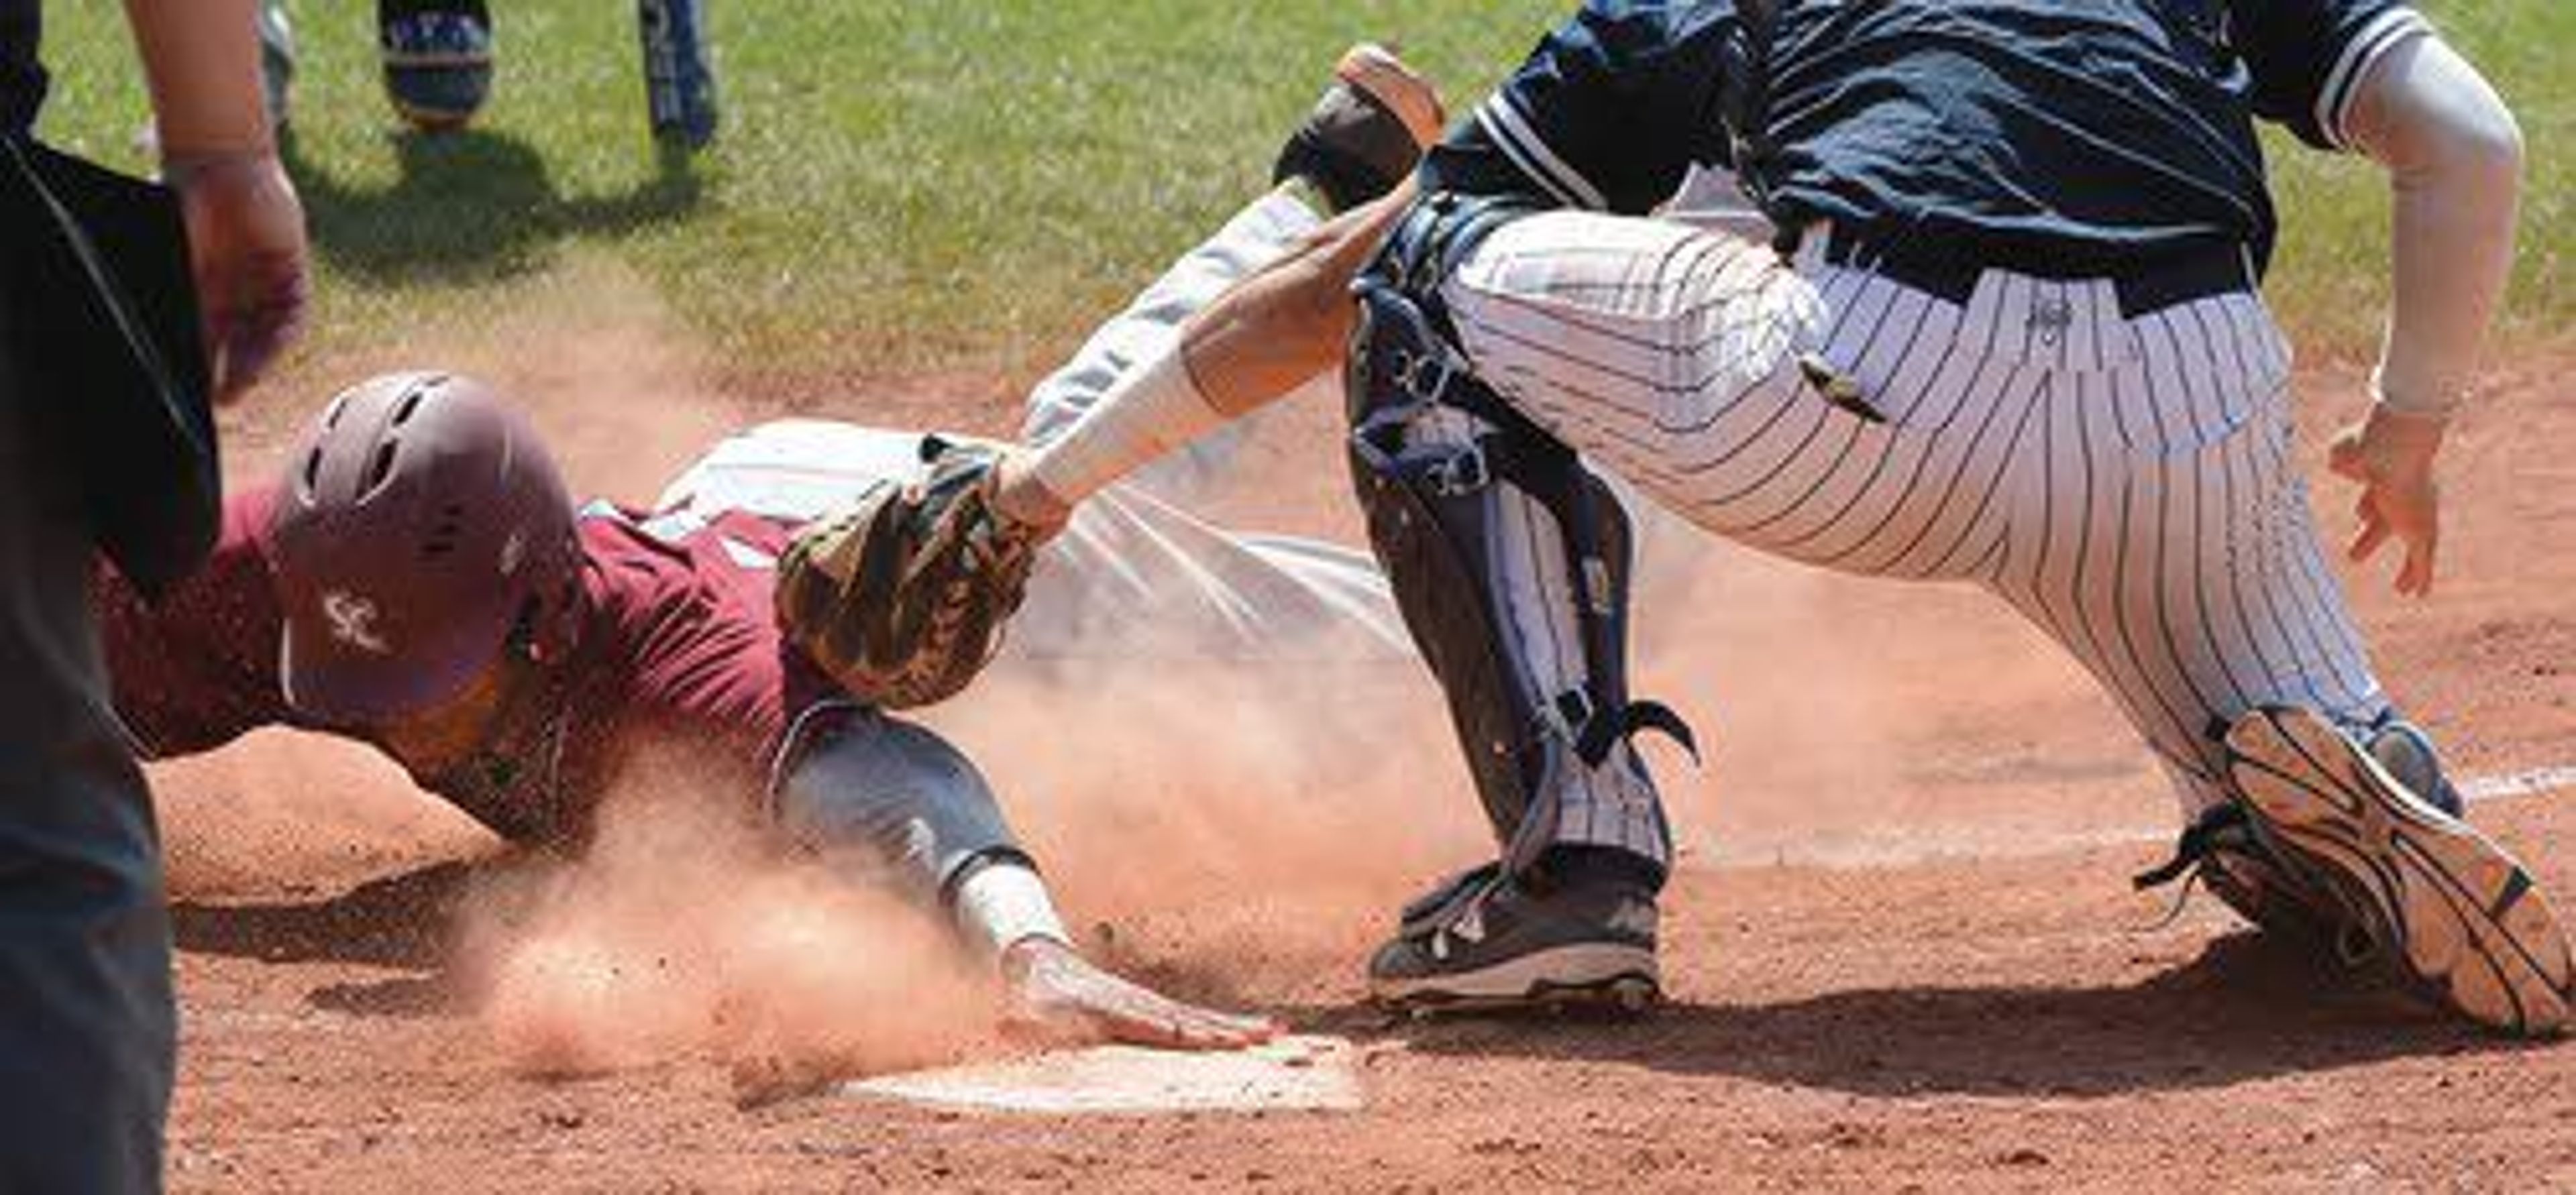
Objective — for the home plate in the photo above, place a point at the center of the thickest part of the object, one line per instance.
(1293, 1073)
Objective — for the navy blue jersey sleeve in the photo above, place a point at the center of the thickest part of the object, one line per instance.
(2308, 57)
(1607, 114)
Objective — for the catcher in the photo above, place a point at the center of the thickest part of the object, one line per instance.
(420, 580)
(2039, 218)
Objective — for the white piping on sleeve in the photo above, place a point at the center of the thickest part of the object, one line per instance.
(2383, 33)
(1528, 151)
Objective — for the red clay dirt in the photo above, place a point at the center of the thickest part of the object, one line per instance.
(1902, 948)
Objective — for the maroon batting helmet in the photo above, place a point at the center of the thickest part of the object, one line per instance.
(421, 531)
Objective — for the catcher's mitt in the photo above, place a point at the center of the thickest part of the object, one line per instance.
(901, 597)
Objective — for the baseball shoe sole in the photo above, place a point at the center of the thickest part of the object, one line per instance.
(1607, 977)
(2440, 902)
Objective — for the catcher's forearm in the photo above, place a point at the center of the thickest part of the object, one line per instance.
(1290, 321)
(2454, 157)
(1262, 339)
(201, 61)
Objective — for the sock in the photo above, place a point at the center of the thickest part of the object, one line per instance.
(1003, 903)
(388, 11)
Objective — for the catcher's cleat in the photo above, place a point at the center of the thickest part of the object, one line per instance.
(2407, 752)
(1367, 131)
(1489, 942)
(438, 61)
(2220, 850)
(1625, 997)
(2429, 895)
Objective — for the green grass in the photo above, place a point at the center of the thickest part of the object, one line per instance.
(966, 186)
(896, 186)
(2331, 280)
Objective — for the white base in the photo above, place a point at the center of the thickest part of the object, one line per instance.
(1292, 1074)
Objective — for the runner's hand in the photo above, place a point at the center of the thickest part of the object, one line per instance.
(1057, 995)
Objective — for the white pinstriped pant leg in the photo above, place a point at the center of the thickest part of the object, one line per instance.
(2166, 539)
(1628, 288)
(2126, 484)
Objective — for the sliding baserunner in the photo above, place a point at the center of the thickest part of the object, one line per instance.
(419, 579)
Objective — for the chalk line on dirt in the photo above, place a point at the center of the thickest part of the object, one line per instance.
(2530, 782)
(1902, 847)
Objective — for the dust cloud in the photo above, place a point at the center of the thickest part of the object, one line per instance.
(685, 931)
(1228, 826)
(622, 391)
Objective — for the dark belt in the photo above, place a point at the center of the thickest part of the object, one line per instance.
(1947, 273)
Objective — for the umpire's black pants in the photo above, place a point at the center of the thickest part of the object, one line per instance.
(87, 1024)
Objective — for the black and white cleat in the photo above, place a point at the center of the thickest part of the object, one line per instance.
(2442, 905)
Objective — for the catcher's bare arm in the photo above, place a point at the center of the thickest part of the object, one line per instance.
(2454, 157)
(1257, 343)
(1274, 331)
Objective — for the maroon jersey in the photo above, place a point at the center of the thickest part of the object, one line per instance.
(678, 648)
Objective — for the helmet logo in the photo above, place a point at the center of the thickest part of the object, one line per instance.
(353, 621)
(514, 551)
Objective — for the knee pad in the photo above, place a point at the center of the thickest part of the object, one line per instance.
(1453, 484)
(1427, 244)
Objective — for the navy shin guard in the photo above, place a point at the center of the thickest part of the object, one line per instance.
(1459, 491)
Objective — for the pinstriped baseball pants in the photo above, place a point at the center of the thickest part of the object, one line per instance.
(2126, 483)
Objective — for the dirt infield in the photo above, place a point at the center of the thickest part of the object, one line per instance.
(1902, 946)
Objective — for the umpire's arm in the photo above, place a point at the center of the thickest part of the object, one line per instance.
(245, 224)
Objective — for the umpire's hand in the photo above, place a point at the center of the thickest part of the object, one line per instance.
(246, 239)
